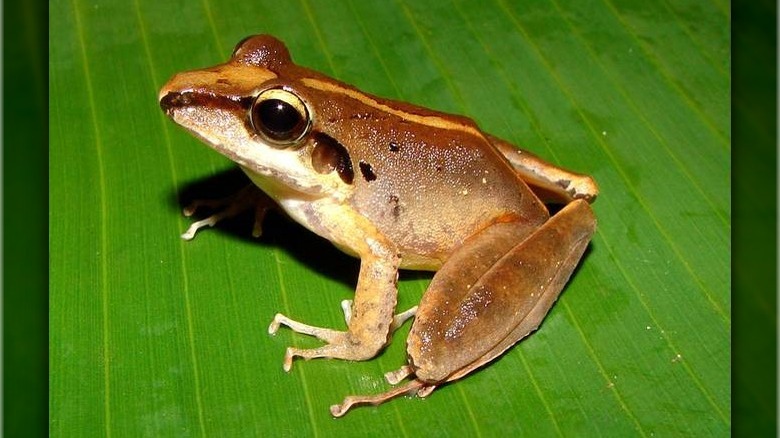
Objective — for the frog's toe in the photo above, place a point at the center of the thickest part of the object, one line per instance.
(395, 377)
(229, 207)
(195, 226)
(323, 334)
(401, 318)
(412, 387)
(346, 307)
(288, 359)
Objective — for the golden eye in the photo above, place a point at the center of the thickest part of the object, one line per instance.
(280, 117)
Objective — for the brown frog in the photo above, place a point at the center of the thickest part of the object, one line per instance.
(400, 187)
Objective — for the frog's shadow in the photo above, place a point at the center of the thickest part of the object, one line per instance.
(279, 230)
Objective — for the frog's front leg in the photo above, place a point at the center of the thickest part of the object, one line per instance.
(371, 318)
(224, 208)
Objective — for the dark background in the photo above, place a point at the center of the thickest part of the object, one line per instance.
(754, 217)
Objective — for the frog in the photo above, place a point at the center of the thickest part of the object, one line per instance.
(400, 187)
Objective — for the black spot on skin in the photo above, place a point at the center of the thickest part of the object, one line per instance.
(223, 81)
(367, 171)
(397, 209)
(394, 147)
(329, 155)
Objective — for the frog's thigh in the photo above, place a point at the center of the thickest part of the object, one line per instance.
(462, 325)
(551, 183)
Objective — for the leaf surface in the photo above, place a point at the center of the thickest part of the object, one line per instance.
(154, 336)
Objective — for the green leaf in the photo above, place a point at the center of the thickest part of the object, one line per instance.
(155, 336)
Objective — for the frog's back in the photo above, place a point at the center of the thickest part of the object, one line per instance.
(427, 180)
(428, 197)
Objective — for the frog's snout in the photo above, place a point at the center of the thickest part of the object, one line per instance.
(173, 99)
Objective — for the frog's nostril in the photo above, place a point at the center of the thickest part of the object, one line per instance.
(168, 101)
(175, 100)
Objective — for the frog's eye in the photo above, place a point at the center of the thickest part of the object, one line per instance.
(280, 117)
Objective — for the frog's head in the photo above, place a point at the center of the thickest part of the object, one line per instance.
(251, 110)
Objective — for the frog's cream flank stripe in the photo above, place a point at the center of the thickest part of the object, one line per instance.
(432, 121)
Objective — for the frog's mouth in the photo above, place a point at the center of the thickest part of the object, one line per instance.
(172, 100)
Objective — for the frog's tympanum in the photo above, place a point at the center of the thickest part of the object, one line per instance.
(400, 187)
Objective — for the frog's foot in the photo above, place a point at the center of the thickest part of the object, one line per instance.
(231, 206)
(413, 387)
(339, 344)
(398, 320)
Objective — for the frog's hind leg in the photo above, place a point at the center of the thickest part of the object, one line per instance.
(549, 182)
(459, 329)
(491, 293)
(575, 225)
(410, 388)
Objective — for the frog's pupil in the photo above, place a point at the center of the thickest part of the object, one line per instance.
(279, 118)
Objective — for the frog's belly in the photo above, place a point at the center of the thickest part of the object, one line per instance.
(423, 238)
(337, 223)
